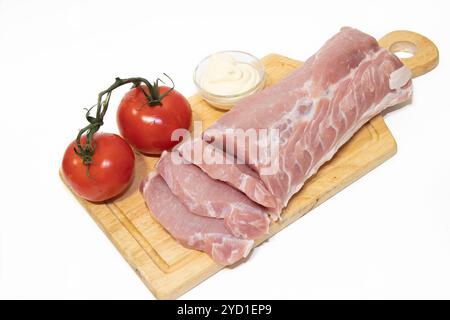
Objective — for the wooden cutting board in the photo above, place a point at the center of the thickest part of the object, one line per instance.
(167, 268)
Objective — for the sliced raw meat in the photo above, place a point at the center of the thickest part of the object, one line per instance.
(221, 166)
(307, 117)
(209, 197)
(201, 233)
(314, 111)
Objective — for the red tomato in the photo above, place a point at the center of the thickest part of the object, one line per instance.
(149, 128)
(110, 172)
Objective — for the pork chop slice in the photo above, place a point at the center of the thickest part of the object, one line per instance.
(209, 197)
(190, 230)
(221, 166)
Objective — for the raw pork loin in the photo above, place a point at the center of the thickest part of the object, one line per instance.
(315, 111)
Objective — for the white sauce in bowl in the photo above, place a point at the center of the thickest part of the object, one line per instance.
(225, 76)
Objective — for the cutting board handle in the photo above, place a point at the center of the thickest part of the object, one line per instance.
(425, 54)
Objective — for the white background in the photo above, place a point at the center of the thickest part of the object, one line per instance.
(385, 236)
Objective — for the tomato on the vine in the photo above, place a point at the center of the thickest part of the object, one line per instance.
(148, 127)
(109, 172)
(100, 166)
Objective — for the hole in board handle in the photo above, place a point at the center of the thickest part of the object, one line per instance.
(403, 49)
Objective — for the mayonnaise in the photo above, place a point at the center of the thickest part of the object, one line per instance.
(224, 75)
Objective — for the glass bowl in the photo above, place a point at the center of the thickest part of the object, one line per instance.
(226, 102)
